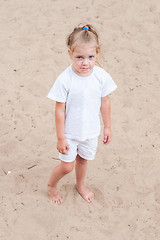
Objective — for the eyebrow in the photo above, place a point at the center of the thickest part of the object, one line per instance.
(81, 55)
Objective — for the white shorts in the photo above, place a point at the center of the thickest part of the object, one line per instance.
(85, 149)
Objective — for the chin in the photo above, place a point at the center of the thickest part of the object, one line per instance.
(85, 70)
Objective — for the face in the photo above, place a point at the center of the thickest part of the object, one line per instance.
(84, 58)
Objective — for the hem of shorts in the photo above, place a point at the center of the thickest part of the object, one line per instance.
(91, 159)
(65, 160)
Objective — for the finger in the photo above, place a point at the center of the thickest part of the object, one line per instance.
(67, 147)
(66, 150)
(65, 153)
(105, 140)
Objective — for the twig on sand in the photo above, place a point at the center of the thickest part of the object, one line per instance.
(4, 171)
(55, 158)
(32, 166)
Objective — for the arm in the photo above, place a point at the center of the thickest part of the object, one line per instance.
(106, 116)
(62, 144)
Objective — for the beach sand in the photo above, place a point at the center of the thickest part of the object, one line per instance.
(125, 175)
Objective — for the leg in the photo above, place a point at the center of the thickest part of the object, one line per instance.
(57, 173)
(81, 168)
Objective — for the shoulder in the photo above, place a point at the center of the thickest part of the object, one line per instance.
(64, 79)
(107, 83)
(64, 75)
(101, 72)
(101, 75)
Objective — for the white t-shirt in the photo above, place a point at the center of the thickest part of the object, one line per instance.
(82, 96)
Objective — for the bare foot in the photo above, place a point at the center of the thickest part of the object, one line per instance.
(53, 193)
(86, 194)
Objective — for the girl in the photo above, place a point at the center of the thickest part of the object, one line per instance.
(80, 92)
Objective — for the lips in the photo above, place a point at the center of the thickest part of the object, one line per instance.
(84, 68)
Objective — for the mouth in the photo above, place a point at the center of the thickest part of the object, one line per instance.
(84, 69)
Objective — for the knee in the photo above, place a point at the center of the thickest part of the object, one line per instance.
(67, 167)
(81, 160)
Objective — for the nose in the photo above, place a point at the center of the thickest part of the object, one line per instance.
(85, 61)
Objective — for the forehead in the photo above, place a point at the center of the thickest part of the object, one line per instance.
(85, 48)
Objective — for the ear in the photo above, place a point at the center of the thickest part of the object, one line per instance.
(97, 51)
(70, 53)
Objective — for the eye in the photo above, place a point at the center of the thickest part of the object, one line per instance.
(79, 57)
(91, 57)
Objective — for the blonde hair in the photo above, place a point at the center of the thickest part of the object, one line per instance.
(85, 34)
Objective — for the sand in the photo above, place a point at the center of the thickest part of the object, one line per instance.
(125, 175)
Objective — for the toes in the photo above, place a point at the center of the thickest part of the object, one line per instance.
(90, 199)
(54, 196)
(86, 194)
(58, 201)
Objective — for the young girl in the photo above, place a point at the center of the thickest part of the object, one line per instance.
(80, 92)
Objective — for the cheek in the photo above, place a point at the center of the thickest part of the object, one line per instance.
(78, 62)
(93, 62)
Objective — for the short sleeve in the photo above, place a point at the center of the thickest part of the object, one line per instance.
(108, 85)
(59, 91)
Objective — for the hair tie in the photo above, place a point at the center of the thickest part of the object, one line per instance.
(86, 28)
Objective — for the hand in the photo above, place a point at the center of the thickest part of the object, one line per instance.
(62, 146)
(107, 135)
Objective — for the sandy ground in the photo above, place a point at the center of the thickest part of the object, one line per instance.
(125, 175)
